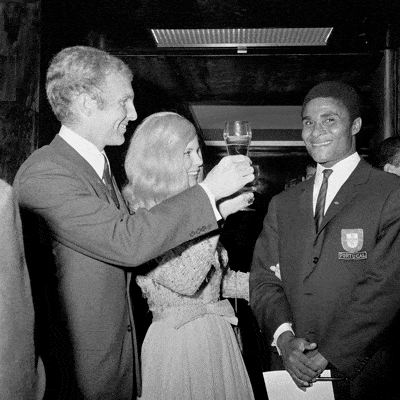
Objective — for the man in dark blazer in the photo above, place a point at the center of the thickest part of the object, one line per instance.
(21, 371)
(328, 296)
(66, 190)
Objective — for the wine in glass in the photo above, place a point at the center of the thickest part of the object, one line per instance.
(237, 136)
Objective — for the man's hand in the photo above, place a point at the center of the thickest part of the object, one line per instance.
(231, 205)
(301, 368)
(229, 175)
(318, 359)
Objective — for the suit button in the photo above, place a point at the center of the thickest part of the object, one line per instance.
(315, 260)
(129, 328)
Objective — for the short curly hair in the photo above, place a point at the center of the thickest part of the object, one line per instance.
(79, 69)
(341, 92)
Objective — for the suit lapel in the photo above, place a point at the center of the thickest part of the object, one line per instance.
(347, 192)
(306, 210)
(122, 204)
(81, 166)
(307, 226)
(75, 159)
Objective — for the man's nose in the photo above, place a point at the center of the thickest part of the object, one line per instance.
(132, 114)
(317, 129)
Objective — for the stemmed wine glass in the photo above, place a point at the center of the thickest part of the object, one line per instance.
(237, 136)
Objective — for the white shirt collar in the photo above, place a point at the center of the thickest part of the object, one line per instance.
(85, 148)
(343, 168)
(341, 172)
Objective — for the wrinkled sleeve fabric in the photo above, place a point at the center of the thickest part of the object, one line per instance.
(79, 219)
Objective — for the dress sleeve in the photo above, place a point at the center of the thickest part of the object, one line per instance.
(236, 284)
(185, 268)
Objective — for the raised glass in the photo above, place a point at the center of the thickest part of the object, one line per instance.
(237, 136)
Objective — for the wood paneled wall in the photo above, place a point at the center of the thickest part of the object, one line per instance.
(19, 83)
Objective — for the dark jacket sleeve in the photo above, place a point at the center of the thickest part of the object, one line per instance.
(19, 378)
(80, 219)
(267, 297)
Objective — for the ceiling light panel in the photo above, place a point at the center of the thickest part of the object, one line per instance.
(238, 37)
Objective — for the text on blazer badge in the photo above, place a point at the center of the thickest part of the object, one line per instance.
(352, 241)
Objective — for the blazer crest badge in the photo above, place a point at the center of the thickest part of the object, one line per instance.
(352, 242)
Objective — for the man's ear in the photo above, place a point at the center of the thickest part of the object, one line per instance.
(85, 104)
(356, 126)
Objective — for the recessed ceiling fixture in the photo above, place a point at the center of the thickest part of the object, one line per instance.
(241, 37)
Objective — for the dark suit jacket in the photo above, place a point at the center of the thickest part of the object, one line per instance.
(343, 294)
(19, 378)
(95, 244)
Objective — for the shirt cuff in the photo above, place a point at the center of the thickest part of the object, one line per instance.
(286, 326)
(218, 216)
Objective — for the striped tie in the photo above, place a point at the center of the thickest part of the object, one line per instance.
(109, 183)
(320, 207)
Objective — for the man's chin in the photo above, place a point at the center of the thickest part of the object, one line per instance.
(318, 157)
(120, 139)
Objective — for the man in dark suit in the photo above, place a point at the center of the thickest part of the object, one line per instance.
(66, 189)
(21, 371)
(325, 278)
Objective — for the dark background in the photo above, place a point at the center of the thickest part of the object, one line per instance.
(365, 33)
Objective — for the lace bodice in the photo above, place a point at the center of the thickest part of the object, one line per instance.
(192, 274)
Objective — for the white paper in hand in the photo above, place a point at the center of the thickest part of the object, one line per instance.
(280, 386)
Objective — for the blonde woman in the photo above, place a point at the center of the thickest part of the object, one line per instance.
(190, 350)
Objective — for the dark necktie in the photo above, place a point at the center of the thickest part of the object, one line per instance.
(320, 207)
(109, 183)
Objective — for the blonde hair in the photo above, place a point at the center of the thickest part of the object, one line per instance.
(79, 69)
(154, 161)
